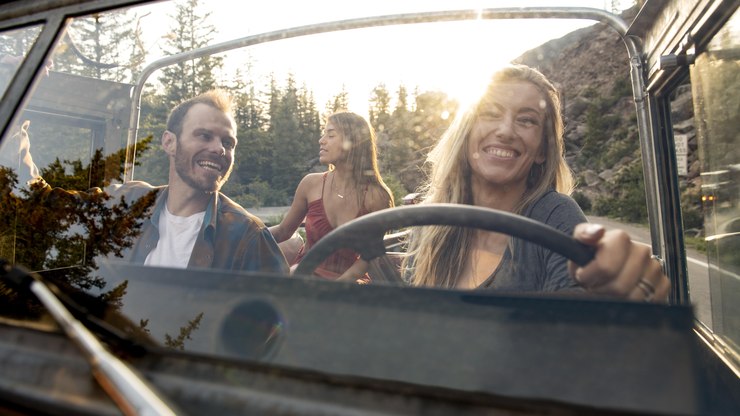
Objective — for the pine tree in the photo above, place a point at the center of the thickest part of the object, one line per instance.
(253, 151)
(380, 119)
(340, 102)
(293, 139)
(380, 106)
(284, 134)
(190, 30)
(402, 102)
(96, 46)
(310, 127)
(152, 165)
(433, 112)
(401, 134)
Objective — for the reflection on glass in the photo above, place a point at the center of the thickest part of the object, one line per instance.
(75, 125)
(714, 80)
(14, 45)
(62, 232)
(78, 123)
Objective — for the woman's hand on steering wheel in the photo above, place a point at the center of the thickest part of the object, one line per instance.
(620, 267)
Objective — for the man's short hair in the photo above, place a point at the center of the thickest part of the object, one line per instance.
(218, 99)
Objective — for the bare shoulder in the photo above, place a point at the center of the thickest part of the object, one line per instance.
(312, 180)
(376, 198)
(311, 185)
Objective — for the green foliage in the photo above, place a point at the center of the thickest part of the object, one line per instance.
(190, 30)
(114, 297)
(626, 197)
(601, 126)
(396, 187)
(618, 149)
(248, 200)
(406, 135)
(594, 136)
(340, 102)
(184, 334)
(379, 111)
(259, 191)
(691, 208)
(278, 124)
(152, 165)
(622, 88)
(589, 92)
(278, 134)
(65, 232)
(692, 214)
(697, 243)
(582, 200)
(103, 46)
(601, 207)
(293, 139)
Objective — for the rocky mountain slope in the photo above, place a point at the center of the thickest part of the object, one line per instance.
(590, 66)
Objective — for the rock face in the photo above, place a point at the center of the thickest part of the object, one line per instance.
(590, 67)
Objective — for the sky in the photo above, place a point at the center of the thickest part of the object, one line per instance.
(452, 57)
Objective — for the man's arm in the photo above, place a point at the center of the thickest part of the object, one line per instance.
(264, 255)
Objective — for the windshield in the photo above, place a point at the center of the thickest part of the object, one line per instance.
(101, 179)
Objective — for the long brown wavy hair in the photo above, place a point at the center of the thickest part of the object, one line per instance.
(439, 253)
(360, 144)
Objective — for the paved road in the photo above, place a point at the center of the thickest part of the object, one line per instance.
(697, 267)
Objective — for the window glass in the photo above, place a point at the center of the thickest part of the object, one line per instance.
(94, 122)
(95, 129)
(14, 44)
(714, 210)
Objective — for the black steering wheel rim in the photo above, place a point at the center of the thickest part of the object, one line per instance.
(372, 227)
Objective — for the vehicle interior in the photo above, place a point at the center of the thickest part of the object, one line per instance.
(650, 136)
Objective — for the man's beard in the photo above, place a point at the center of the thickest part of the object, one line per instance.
(183, 167)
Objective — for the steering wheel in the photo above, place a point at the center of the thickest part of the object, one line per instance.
(364, 235)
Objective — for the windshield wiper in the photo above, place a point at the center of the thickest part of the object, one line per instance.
(132, 394)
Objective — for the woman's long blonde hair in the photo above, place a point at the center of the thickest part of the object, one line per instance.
(439, 253)
(360, 144)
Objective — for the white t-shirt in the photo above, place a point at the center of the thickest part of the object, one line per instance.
(177, 237)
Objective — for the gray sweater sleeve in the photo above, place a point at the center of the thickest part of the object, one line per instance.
(563, 213)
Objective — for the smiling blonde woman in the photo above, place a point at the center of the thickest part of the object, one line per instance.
(505, 152)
